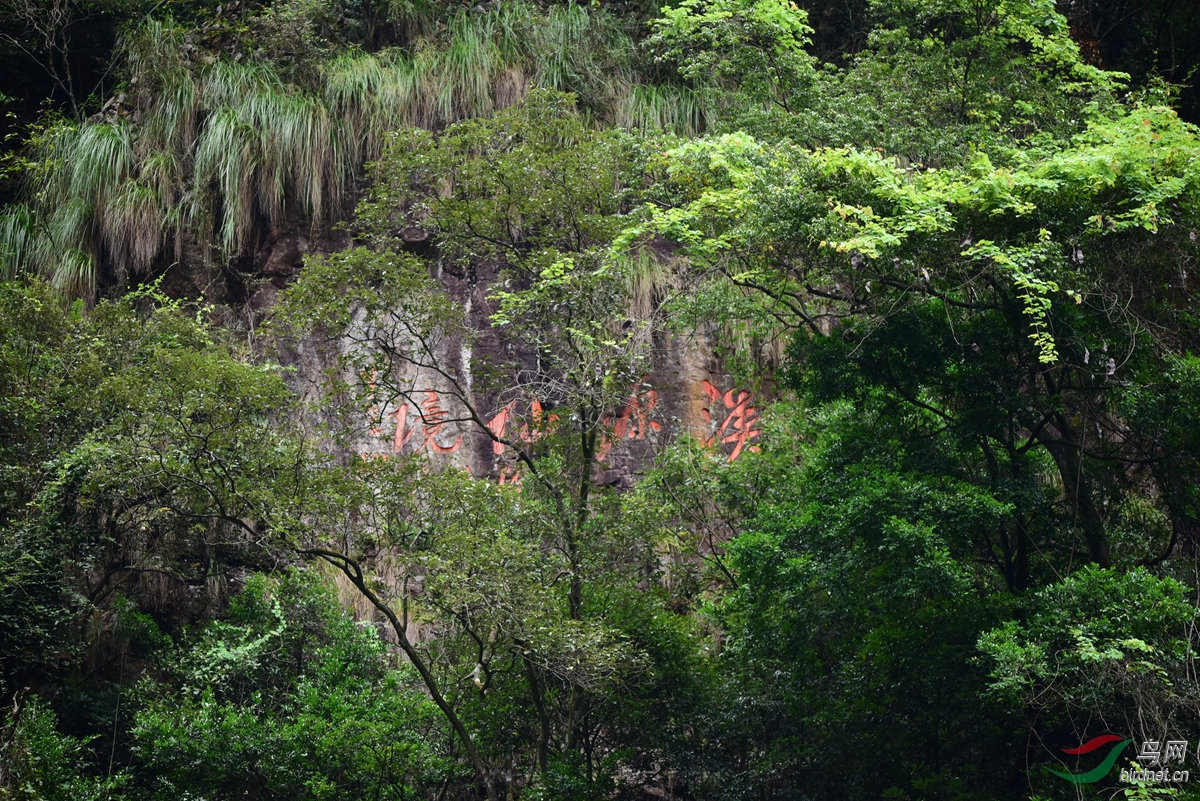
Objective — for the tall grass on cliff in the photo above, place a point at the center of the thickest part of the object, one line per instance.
(206, 156)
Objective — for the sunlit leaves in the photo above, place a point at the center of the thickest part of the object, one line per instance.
(756, 45)
(1025, 220)
(1095, 637)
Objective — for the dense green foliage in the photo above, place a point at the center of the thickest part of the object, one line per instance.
(207, 153)
(954, 256)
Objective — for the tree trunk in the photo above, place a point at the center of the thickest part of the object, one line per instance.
(353, 572)
(1066, 451)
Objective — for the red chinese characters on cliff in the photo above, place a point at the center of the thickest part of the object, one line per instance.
(498, 425)
(540, 422)
(433, 419)
(632, 422)
(730, 419)
(740, 424)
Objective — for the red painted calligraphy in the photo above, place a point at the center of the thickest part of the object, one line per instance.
(434, 418)
(632, 422)
(540, 423)
(403, 432)
(741, 420)
(498, 425)
(433, 421)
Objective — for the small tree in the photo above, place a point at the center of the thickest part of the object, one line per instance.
(508, 587)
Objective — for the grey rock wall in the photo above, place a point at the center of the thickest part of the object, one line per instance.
(686, 390)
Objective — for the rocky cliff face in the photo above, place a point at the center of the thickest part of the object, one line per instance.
(687, 390)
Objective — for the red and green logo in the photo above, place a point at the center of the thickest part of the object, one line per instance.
(1100, 771)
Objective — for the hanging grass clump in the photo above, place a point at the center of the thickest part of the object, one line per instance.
(207, 158)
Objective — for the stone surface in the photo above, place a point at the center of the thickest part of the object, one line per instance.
(686, 391)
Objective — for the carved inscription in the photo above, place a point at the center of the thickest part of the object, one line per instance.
(740, 420)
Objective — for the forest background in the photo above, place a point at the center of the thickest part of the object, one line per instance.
(954, 242)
